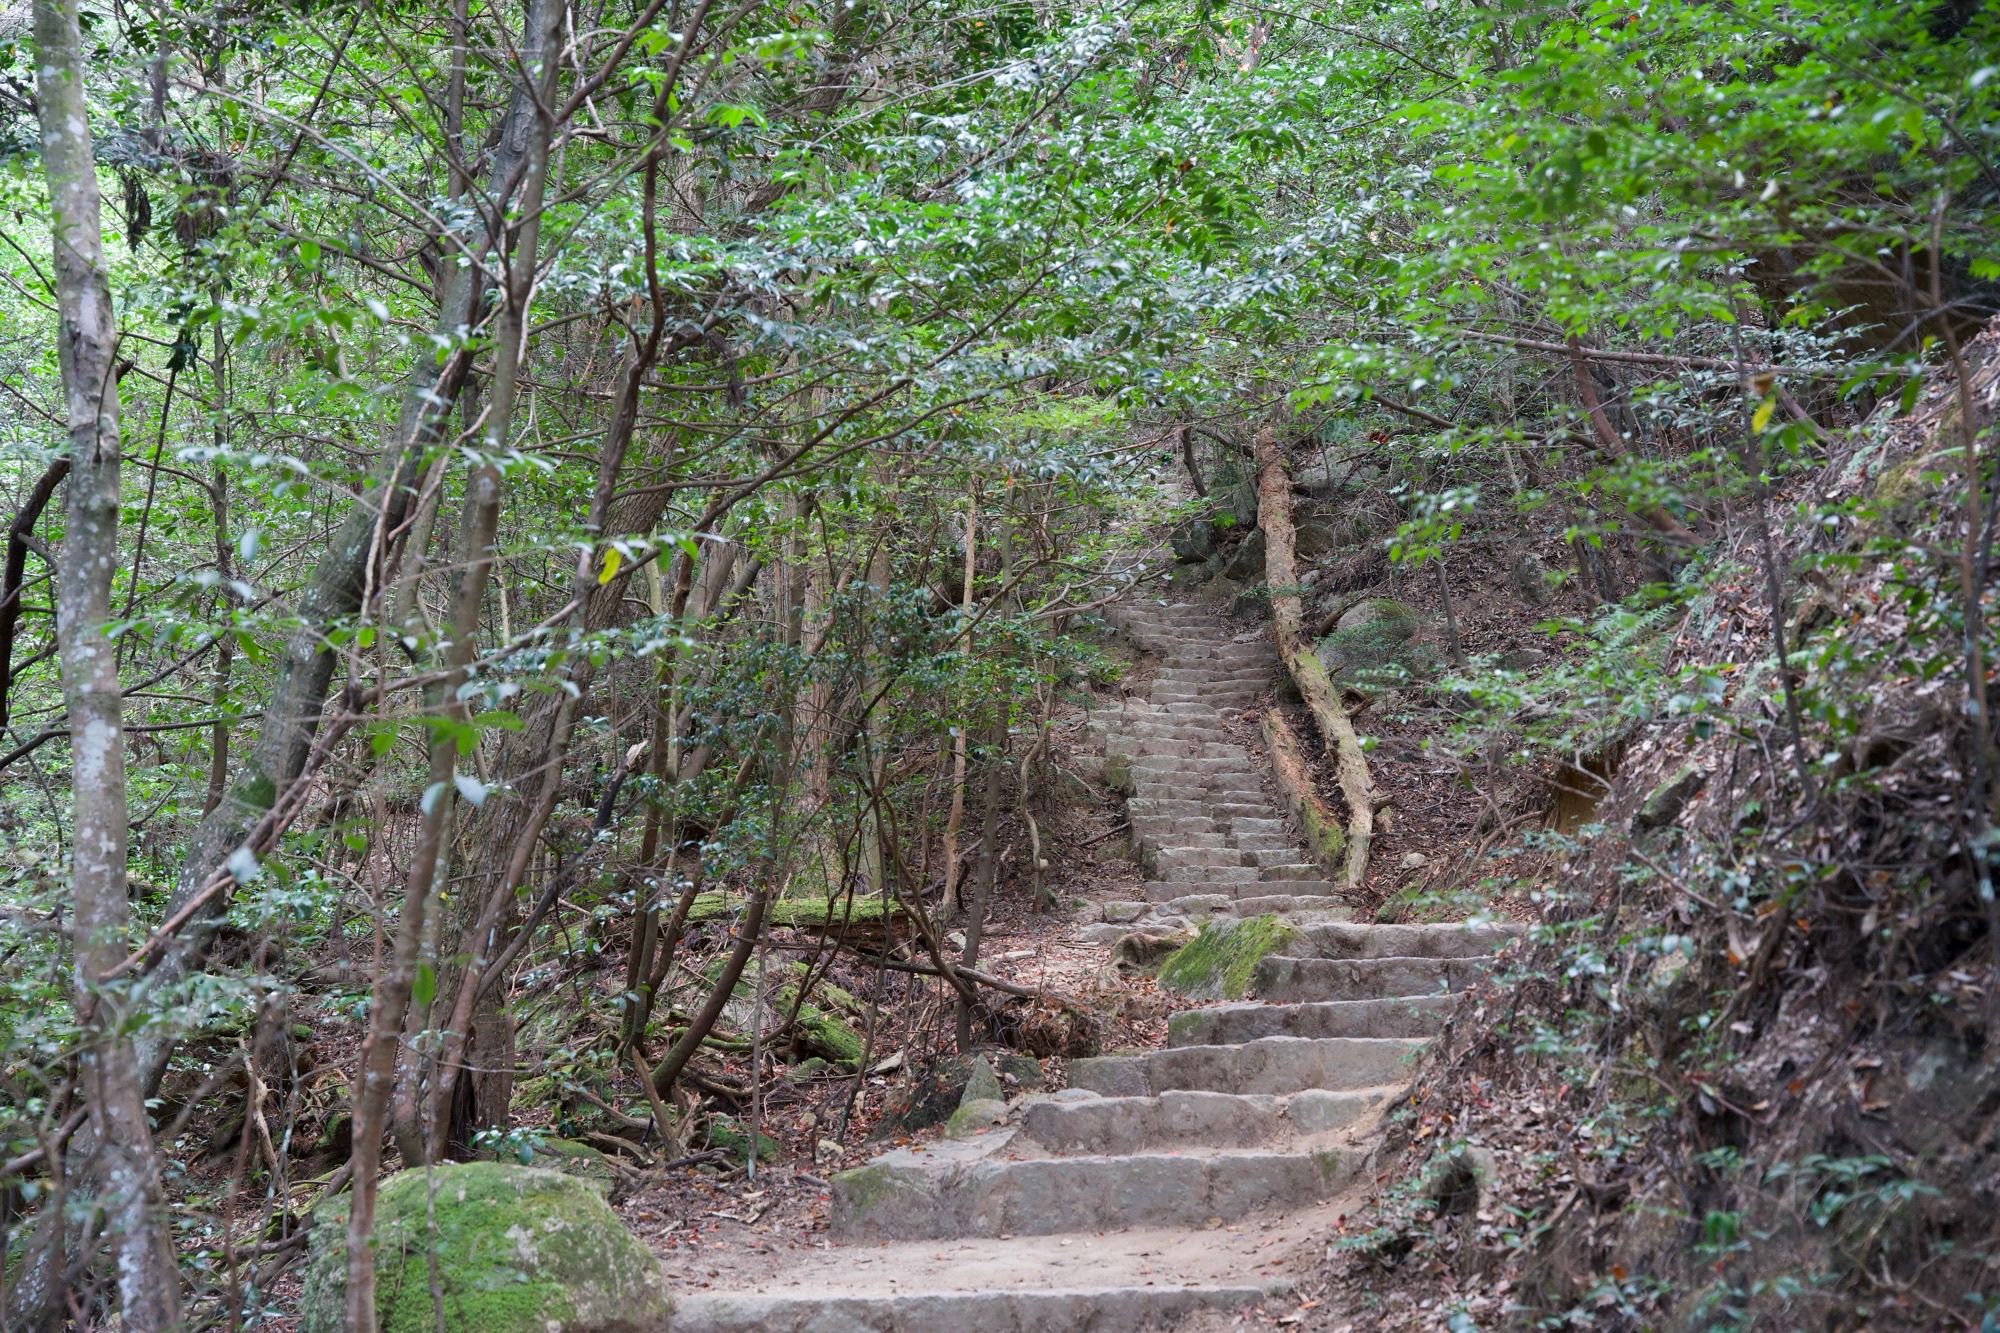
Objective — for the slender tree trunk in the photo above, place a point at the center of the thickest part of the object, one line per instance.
(376, 1077)
(87, 344)
(1274, 514)
(955, 818)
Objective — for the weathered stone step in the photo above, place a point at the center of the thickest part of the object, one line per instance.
(1269, 1065)
(1182, 1118)
(1151, 746)
(1165, 766)
(910, 1196)
(1302, 911)
(1240, 883)
(1228, 1024)
(1287, 980)
(1182, 874)
(1454, 939)
(1058, 1310)
(1218, 674)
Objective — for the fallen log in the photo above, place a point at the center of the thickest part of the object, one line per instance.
(1318, 825)
(1274, 516)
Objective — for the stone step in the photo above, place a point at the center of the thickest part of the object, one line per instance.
(1454, 939)
(1227, 1024)
(907, 1195)
(1268, 1065)
(1195, 855)
(1151, 746)
(1101, 1126)
(1283, 979)
(1108, 1309)
(1239, 882)
(1190, 878)
(1233, 770)
(1315, 895)
(1178, 729)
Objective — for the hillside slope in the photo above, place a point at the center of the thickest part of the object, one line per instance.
(1745, 1077)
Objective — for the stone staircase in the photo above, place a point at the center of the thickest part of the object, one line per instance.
(1203, 824)
(1163, 1183)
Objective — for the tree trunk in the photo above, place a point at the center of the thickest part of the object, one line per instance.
(1274, 515)
(87, 344)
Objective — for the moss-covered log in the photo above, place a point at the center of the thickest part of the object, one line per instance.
(1274, 515)
(1318, 824)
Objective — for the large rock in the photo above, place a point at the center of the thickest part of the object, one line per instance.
(1315, 537)
(512, 1249)
(1194, 541)
(1247, 564)
(1377, 642)
(1220, 961)
(1238, 501)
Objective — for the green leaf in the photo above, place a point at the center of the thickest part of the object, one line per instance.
(613, 558)
(425, 988)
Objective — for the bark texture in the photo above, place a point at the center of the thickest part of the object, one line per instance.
(126, 1172)
(1274, 516)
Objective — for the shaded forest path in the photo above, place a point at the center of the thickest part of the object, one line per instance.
(1164, 1183)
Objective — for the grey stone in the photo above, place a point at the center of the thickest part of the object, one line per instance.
(982, 1083)
(1246, 563)
(1193, 541)
(1026, 1310)
(1664, 804)
(1314, 538)
(1532, 580)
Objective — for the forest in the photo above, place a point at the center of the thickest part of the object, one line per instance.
(1168, 664)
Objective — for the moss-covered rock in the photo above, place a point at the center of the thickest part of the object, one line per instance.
(733, 1135)
(819, 1027)
(1219, 962)
(1377, 644)
(511, 1249)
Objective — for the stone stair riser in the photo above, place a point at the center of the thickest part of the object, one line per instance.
(1275, 1065)
(1286, 980)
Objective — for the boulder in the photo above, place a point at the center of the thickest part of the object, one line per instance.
(1193, 541)
(1220, 962)
(512, 1249)
(1377, 643)
(1236, 503)
(1315, 537)
(1248, 561)
(934, 1095)
(1663, 805)
(1533, 582)
(733, 1137)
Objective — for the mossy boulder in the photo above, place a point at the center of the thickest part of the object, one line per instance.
(733, 1135)
(1220, 961)
(513, 1249)
(1377, 644)
(819, 1028)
